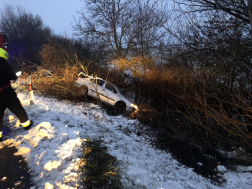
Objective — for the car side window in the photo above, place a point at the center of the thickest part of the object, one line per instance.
(110, 87)
(99, 81)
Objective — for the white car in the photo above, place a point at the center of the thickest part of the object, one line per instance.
(105, 91)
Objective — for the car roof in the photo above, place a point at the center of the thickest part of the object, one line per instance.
(92, 77)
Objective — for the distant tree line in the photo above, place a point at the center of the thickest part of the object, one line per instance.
(30, 39)
(26, 33)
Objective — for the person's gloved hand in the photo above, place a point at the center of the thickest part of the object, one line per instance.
(18, 73)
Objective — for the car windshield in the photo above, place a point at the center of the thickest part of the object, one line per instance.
(99, 81)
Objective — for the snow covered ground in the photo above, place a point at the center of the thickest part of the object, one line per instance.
(52, 148)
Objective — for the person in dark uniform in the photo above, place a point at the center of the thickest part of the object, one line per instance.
(8, 97)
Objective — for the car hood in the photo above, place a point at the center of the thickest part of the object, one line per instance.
(126, 100)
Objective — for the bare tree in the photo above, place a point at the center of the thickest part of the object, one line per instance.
(121, 24)
(148, 26)
(213, 38)
(236, 8)
(107, 20)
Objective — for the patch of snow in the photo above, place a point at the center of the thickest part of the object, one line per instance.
(53, 149)
(221, 168)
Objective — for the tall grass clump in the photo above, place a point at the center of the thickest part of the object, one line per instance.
(100, 169)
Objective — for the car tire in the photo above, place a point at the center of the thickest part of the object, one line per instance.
(120, 107)
(83, 90)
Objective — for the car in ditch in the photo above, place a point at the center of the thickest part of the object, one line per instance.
(105, 91)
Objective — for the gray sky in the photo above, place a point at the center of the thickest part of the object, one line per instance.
(57, 14)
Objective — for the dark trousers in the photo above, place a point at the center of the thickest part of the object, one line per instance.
(9, 99)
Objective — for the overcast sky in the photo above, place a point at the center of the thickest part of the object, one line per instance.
(57, 14)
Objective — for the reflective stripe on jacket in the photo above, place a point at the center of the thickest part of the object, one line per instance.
(6, 86)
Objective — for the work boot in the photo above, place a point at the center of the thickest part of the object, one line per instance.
(27, 127)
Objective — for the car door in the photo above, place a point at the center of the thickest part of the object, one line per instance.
(111, 93)
(96, 88)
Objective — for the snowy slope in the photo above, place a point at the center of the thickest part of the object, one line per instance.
(53, 149)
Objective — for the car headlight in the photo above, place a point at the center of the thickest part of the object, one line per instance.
(134, 106)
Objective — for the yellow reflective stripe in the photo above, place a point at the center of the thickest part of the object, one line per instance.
(0, 134)
(26, 124)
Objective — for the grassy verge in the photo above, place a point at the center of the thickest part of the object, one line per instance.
(100, 169)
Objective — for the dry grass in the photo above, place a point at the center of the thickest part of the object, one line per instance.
(59, 84)
(210, 110)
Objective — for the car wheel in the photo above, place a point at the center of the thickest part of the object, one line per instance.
(83, 90)
(120, 108)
